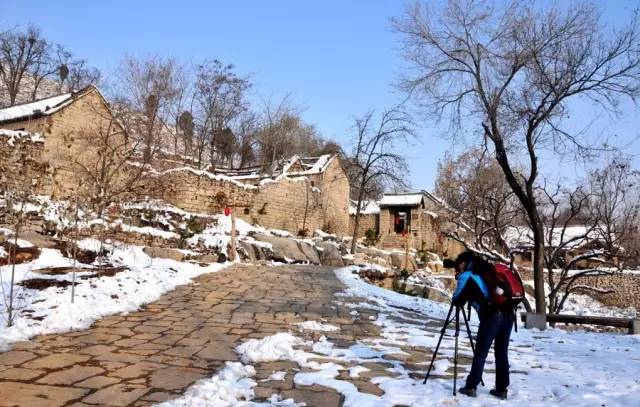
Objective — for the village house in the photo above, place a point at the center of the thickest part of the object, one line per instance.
(571, 242)
(65, 125)
(412, 219)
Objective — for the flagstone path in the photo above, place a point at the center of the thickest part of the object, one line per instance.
(155, 354)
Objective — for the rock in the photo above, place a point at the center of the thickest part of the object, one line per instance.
(284, 249)
(83, 256)
(435, 266)
(330, 255)
(398, 261)
(359, 259)
(310, 251)
(165, 253)
(426, 292)
(22, 254)
(208, 258)
(247, 251)
(384, 262)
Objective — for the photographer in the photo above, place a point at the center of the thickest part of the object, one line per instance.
(495, 324)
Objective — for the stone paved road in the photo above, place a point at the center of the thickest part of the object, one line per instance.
(156, 353)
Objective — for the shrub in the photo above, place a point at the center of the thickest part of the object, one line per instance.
(371, 237)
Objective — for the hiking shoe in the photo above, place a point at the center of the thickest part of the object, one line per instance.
(468, 391)
(501, 394)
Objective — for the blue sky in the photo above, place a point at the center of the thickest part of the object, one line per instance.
(337, 58)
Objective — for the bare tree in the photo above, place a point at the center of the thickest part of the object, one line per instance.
(148, 88)
(515, 69)
(478, 203)
(374, 161)
(246, 131)
(15, 215)
(111, 167)
(21, 52)
(220, 98)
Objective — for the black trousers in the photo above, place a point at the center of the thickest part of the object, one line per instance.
(494, 328)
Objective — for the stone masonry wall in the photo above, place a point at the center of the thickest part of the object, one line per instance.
(626, 287)
(21, 166)
(283, 205)
(196, 191)
(367, 221)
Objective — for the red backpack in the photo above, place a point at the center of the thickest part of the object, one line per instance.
(505, 287)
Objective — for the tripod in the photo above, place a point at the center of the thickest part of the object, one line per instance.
(447, 321)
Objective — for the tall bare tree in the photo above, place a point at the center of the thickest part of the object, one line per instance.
(112, 167)
(21, 52)
(586, 229)
(220, 96)
(516, 68)
(147, 91)
(479, 203)
(374, 160)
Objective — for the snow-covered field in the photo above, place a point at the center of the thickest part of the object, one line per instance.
(549, 368)
(50, 310)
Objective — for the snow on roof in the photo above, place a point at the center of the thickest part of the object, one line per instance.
(401, 200)
(573, 237)
(44, 106)
(313, 165)
(368, 208)
(309, 165)
(14, 135)
(203, 173)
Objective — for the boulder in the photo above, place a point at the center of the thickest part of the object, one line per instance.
(398, 261)
(210, 258)
(164, 253)
(429, 293)
(310, 251)
(284, 249)
(359, 259)
(435, 266)
(330, 255)
(247, 251)
(82, 255)
(22, 254)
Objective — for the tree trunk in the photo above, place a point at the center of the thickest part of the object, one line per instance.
(538, 262)
(356, 222)
(527, 200)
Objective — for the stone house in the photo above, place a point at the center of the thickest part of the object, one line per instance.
(406, 218)
(415, 219)
(66, 126)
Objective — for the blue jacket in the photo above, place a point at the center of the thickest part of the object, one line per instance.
(472, 288)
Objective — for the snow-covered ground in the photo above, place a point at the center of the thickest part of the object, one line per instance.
(549, 368)
(50, 310)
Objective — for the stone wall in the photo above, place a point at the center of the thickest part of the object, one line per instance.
(197, 191)
(626, 287)
(292, 204)
(367, 221)
(21, 166)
